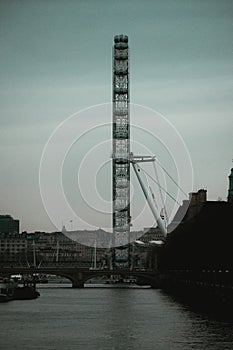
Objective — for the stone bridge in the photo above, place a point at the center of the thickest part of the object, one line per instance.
(78, 276)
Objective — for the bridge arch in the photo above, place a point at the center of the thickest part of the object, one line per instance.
(78, 276)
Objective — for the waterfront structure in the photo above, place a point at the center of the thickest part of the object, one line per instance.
(203, 238)
(56, 247)
(151, 234)
(8, 224)
(230, 190)
(38, 248)
(196, 259)
(79, 274)
(121, 153)
(12, 245)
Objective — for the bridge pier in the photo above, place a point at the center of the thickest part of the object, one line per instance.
(77, 280)
(77, 284)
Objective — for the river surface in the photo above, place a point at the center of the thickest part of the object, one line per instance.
(63, 318)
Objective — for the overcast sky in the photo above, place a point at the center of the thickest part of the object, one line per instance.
(56, 59)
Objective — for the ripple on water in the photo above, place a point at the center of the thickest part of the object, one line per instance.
(101, 318)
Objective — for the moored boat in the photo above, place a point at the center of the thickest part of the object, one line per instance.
(10, 290)
(6, 289)
(25, 292)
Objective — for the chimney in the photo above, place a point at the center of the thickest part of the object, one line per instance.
(197, 200)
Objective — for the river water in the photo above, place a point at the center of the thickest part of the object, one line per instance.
(63, 318)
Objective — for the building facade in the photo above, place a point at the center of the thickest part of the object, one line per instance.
(8, 224)
(13, 247)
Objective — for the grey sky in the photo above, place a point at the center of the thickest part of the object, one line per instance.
(56, 59)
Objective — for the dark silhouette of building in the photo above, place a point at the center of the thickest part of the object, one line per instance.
(8, 224)
(202, 237)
